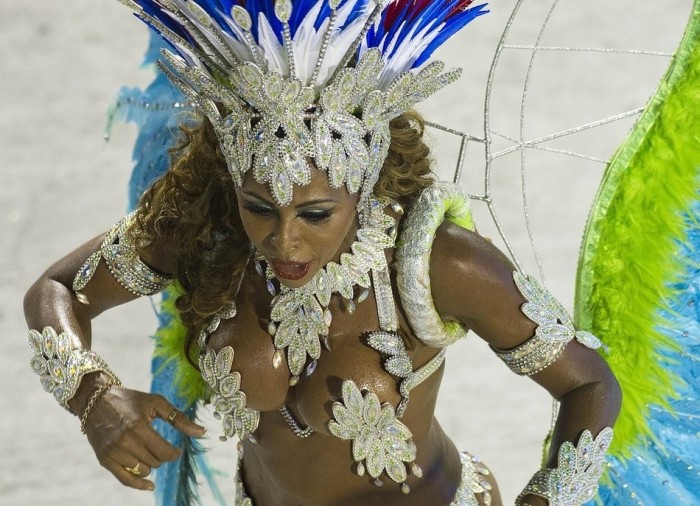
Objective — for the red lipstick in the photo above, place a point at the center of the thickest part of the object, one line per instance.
(291, 271)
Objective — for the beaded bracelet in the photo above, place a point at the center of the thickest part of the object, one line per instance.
(96, 395)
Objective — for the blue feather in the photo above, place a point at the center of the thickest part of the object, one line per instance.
(667, 470)
(403, 18)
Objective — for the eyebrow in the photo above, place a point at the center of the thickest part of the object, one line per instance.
(308, 203)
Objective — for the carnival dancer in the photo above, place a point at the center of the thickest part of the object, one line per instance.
(318, 269)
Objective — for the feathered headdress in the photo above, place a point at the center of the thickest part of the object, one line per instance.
(283, 82)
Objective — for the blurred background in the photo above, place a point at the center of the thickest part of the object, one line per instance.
(61, 184)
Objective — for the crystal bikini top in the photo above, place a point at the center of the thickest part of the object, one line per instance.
(380, 442)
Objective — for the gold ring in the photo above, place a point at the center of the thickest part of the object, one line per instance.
(134, 470)
(171, 416)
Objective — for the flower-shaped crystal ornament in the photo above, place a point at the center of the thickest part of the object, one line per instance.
(380, 442)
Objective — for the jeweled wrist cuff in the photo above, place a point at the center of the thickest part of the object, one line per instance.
(123, 261)
(61, 366)
(575, 479)
(555, 330)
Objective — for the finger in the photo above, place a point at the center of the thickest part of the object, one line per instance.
(146, 463)
(139, 469)
(166, 411)
(154, 443)
(127, 478)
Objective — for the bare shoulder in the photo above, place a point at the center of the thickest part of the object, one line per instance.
(472, 281)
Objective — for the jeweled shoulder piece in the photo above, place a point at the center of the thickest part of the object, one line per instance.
(119, 253)
(281, 81)
(61, 365)
(579, 468)
(439, 201)
(555, 330)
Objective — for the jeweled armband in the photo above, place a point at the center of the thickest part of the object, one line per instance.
(119, 253)
(555, 330)
(61, 366)
(575, 479)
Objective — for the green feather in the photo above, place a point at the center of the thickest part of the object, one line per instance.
(627, 259)
(170, 345)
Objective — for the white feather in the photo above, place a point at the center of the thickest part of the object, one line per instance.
(273, 51)
(342, 40)
(240, 46)
(406, 53)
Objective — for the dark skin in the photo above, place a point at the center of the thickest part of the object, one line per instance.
(472, 282)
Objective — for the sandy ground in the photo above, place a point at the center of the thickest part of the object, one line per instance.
(62, 63)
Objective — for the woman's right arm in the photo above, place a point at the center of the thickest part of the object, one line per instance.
(118, 424)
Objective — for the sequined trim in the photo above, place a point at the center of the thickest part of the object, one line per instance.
(128, 269)
(555, 330)
(435, 203)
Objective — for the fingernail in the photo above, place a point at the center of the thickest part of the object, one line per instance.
(151, 487)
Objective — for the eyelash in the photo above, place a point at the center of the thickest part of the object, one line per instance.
(316, 216)
(310, 216)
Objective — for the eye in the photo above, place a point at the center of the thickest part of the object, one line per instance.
(316, 216)
(258, 210)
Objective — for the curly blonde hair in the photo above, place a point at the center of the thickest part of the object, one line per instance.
(193, 207)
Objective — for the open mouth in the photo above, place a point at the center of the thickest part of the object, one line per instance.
(291, 271)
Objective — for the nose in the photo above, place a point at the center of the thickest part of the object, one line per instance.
(285, 236)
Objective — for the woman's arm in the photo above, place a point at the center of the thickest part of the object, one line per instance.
(473, 282)
(118, 421)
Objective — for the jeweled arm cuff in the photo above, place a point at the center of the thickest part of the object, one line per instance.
(575, 479)
(61, 366)
(555, 330)
(119, 253)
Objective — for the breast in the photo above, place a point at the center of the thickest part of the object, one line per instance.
(265, 387)
(349, 358)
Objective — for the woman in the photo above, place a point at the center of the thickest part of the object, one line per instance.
(321, 340)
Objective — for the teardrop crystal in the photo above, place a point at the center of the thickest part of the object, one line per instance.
(311, 367)
(360, 469)
(293, 380)
(350, 306)
(271, 328)
(277, 359)
(416, 470)
(363, 295)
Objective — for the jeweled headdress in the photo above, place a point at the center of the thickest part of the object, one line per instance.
(285, 81)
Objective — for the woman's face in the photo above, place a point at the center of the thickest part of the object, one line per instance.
(300, 238)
